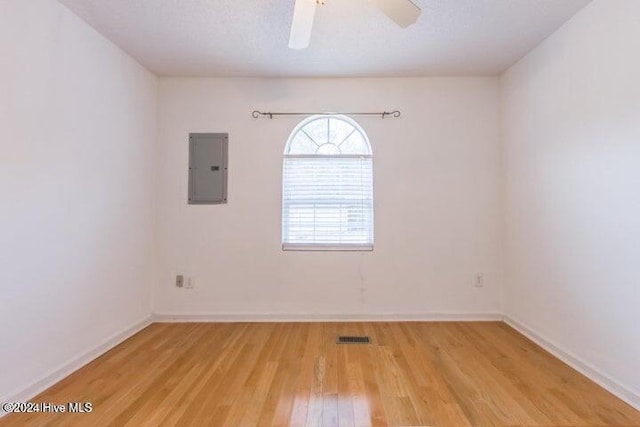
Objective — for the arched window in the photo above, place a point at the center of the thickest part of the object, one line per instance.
(327, 189)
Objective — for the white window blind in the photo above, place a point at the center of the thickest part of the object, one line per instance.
(327, 201)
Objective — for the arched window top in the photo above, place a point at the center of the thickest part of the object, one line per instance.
(328, 136)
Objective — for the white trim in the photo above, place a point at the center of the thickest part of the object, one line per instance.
(326, 317)
(346, 247)
(73, 365)
(328, 156)
(606, 381)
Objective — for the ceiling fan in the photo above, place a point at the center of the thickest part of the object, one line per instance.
(402, 12)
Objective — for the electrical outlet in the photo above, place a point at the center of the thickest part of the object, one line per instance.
(479, 281)
(191, 283)
(179, 281)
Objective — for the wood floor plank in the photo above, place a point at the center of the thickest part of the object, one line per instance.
(457, 374)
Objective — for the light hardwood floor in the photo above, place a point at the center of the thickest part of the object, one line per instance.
(431, 374)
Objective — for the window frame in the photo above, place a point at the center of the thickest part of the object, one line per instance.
(365, 247)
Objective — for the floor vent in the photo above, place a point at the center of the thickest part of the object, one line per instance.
(353, 340)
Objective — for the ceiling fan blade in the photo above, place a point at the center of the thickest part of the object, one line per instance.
(303, 13)
(402, 12)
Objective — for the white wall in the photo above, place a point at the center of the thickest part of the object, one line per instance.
(572, 136)
(437, 191)
(77, 136)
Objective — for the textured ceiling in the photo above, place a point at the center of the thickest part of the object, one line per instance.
(350, 37)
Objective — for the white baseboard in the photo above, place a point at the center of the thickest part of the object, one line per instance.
(585, 368)
(325, 317)
(73, 365)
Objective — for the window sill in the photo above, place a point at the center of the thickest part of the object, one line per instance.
(333, 247)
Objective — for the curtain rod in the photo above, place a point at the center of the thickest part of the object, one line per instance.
(257, 114)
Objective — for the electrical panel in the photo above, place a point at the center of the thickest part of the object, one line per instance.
(208, 168)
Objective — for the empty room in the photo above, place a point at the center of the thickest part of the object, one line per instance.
(320, 213)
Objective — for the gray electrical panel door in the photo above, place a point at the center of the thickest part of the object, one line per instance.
(208, 168)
